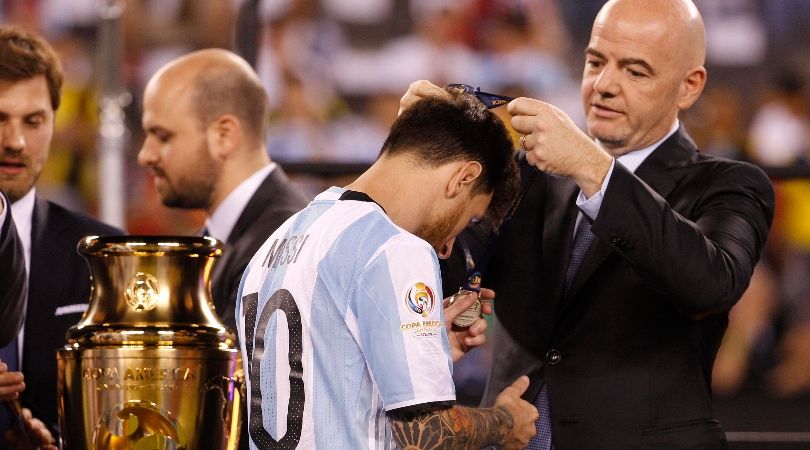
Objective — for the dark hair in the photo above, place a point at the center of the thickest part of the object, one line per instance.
(25, 55)
(438, 131)
(222, 89)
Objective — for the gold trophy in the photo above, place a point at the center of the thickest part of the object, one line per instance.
(150, 365)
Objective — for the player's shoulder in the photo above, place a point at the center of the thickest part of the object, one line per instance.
(405, 248)
(404, 238)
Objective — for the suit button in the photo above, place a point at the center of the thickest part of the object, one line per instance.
(553, 356)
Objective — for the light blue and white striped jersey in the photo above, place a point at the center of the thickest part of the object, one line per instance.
(340, 319)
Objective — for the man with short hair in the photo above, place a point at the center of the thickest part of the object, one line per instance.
(618, 268)
(205, 117)
(59, 278)
(340, 315)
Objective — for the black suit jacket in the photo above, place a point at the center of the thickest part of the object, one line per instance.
(13, 286)
(274, 202)
(59, 284)
(627, 353)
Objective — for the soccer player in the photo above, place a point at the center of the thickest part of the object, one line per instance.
(340, 314)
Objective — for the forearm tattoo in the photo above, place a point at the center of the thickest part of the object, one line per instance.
(457, 427)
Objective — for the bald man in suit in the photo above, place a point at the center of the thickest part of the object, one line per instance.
(616, 273)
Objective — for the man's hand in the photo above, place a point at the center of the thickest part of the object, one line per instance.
(462, 340)
(554, 144)
(419, 90)
(523, 413)
(11, 383)
(37, 435)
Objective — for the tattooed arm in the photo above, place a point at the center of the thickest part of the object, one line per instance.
(456, 427)
(509, 424)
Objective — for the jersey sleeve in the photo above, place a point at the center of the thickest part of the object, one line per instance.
(397, 309)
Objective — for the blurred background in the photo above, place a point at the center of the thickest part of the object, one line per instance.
(335, 70)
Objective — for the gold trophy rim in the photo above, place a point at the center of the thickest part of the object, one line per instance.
(133, 244)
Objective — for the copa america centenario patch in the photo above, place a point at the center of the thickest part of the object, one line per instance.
(420, 299)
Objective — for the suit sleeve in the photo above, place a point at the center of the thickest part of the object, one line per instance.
(701, 259)
(13, 278)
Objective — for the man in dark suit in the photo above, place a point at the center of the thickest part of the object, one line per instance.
(209, 107)
(628, 247)
(59, 280)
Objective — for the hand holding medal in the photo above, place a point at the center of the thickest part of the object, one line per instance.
(471, 314)
(472, 285)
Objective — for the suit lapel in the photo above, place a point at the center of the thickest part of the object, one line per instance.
(656, 172)
(46, 281)
(43, 232)
(265, 195)
(268, 193)
(560, 217)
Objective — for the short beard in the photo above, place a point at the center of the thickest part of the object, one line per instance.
(194, 190)
(14, 193)
(436, 231)
(18, 186)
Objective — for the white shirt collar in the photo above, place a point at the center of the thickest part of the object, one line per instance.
(23, 211)
(222, 221)
(634, 159)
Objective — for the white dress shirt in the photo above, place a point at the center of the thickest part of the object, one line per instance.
(23, 211)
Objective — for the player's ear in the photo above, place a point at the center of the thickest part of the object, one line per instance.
(463, 177)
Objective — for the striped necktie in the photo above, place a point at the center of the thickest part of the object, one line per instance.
(582, 242)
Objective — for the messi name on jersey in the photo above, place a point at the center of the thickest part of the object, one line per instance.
(285, 251)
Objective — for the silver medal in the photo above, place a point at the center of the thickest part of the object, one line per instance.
(471, 314)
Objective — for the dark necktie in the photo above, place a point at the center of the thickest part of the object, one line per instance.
(582, 242)
(8, 355)
(541, 440)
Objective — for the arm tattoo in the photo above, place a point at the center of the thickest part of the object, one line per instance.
(457, 427)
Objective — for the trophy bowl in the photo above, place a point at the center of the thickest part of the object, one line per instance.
(150, 365)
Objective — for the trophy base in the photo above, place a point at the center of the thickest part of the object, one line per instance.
(157, 398)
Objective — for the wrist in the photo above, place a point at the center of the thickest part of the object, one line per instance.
(594, 173)
(506, 423)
